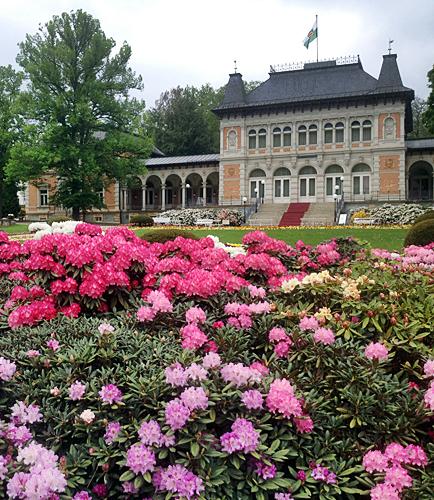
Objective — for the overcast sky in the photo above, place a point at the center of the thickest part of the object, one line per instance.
(193, 42)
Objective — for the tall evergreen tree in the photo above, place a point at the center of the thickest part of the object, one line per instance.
(10, 83)
(80, 117)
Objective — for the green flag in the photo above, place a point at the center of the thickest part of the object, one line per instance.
(313, 33)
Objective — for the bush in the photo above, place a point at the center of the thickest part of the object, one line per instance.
(141, 220)
(58, 218)
(163, 235)
(420, 234)
(426, 216)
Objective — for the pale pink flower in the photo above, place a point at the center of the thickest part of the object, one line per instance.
(53, 344)
(324, 336)
(376, 351)
(252, 399)
(211, 360)
(428, 368)
(105, 328)
(76, 391)
(307, 323)
(110, 393)
(88, 416)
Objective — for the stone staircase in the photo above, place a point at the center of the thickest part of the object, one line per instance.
(293, 215)
(268, 214)
(319, 214)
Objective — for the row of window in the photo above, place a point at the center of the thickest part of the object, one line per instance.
(308, 135)
(43, 196)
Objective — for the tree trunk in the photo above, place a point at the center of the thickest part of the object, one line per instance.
(76, 213)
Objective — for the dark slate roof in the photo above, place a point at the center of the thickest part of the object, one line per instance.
(182, 160)
(235, 93)
(317, 81)
(417, 144)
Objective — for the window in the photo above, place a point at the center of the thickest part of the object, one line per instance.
(287, 136)
(389, 128)
(361, 179)
(262, 138)
(277, 138)
(355, 132)
(252, 139)
(313, 136)
(43, 196)
(302, 135)
(328, 133)
(367, 127)
(100, 195)
(98, 218)
(339, 132)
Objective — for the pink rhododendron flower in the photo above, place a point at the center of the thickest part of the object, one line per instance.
(176, 375)
(252, 399)
(53, 344)
(307, 323)
(140, 459)
(150, 433)
(111, 432)
(23, 414)
(178, 480)
(260, 367)
(415, 455)
(429, 397)
(18, 434)
(281, 399)
(384, 492)
(375, 461)
(76, 391)
(105, 328)
(239, 374)
(3, 468)
(324, 336)
(55, 391)
(303, 424)
(195, 315)
(283, 496)
(244, 437)
(7, 369)
(194, 398)
(196, 372)
(256, 292)
(277, 334)
(146, 313)
(100, 490)
(376, 351)
(398, 477)
(129, 488)
(428, 368)
(176, 414)
(192, 337)
(110, 393)
(281, 349)
(88, 416)
(211, 360)
(82, 495)
(265, 471)
(33, 353)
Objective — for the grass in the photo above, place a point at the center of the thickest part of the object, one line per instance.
(388, 238)
(15, 228)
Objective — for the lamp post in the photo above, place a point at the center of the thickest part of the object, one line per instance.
(187, 186)
(263, 186)
(244, 206)
(335, 197)
(342, 187)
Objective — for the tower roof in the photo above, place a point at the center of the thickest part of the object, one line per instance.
(235, 93)
(390, 78)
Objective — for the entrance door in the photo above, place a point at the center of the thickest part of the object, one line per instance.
(281, 190)
(331, 183)
(257, 188)
(307, 189)
(150, 197)
(420, 188)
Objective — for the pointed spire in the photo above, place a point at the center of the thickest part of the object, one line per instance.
(234, 92)
(389, 75)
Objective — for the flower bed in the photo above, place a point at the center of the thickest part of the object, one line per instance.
(188, 216)
(179, 370)
(392, 214)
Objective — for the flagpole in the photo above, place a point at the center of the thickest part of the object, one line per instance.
(316, 22)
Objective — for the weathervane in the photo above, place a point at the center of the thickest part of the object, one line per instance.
(390, 45)
(235, 65)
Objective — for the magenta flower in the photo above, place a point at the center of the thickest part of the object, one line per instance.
(194, 398)
(76, 391)
(307, 323)
(324, 336)
(150, 433)
(178, 480)
(140, 459)
(176, 414)
(195, 315)
(176, 375)
(375, 461)
(244, 437)
(110, 393)
(53, 344)
(376, 351)
(111, 432)
(7, 369)
(252, 399)
(100, 490)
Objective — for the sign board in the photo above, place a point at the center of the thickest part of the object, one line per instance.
(342, 219)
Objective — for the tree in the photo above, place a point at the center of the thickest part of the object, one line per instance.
(80, 119)
(10, 83)
(428, 116)
(182, 121)
(418, 107)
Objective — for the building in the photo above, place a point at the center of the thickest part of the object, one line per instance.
(309, 134)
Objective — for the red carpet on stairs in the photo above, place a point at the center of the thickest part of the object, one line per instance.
(294, 214)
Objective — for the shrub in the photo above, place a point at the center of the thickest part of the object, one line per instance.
(426, 216)
(141, 220)
(58, 218)
(420, 234)
(163, 235)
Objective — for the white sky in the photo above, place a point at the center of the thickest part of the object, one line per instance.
(193, 42)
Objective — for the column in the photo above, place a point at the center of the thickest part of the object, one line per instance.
(183, 193)
(163, 197)
(124, 199)
(144, 198)
(204, 194)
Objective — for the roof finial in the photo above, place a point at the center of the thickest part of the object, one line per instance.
(390, 45)
(235, 65)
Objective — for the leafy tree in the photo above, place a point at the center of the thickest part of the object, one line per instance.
(10, 83)
(419, 107)
(79, 116)
(182, 121)
(428, 117)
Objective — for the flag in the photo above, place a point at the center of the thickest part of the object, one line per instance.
(313, 33)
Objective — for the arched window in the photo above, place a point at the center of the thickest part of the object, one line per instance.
(333, 180)
(252, 139)
(307, 171)
(282, 172)
(328, 133)
(262, 138)
(339, 133)
(367, 127)
(389, 128)
(257, 172)
(361, 177)
(313, 135)
(287, 136)
(277, 137)
(302, 135)
(355, 131)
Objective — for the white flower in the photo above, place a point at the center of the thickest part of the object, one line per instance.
(88, 416)
(289, 285)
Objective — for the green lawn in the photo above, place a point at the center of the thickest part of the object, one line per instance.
(15, 228)
(389, 238)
